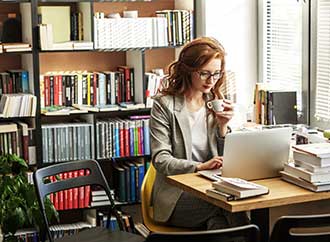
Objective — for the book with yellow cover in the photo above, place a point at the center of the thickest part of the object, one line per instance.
(59, 18)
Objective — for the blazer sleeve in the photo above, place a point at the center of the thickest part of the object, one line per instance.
(162, 129)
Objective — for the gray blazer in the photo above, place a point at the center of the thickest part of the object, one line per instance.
(171, 149)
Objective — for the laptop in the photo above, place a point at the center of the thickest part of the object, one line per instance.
(253, 155)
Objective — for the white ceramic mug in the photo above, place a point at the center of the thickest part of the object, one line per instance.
(216, 105)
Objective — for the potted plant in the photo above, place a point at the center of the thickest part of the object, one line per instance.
(19, 206)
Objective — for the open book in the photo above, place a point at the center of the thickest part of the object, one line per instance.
(239, 188)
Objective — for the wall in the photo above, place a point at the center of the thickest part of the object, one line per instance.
(234, 24)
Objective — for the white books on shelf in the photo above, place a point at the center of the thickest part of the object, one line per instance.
(18, 105)
(238, 187)
(315, 187)
(321, 150)
(301, 172)
(308, 158)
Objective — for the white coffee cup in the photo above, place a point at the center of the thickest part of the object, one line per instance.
(216, 105)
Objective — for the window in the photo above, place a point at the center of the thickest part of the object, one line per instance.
(282, 47)
(320, 92)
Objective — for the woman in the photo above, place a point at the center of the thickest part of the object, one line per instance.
(187, 137)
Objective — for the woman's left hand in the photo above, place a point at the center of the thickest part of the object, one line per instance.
(227, 114)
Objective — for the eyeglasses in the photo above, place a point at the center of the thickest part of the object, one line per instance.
(206, 75)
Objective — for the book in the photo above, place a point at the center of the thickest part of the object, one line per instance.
(315, 187)
(301, 172)
(310, 159)
(100, 203)
(16, 45)
(321, 150)
(220, 195)
(312, 168)
(238, 187)
(59, 18)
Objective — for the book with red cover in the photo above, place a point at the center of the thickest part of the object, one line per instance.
(61, 195)
(23, 127)
(75, 192)
(87, 191)
(81, 191)
(47, 90)
(66, 193)
(126, 84)
(70, 192)
(56, 88)
(121, 139)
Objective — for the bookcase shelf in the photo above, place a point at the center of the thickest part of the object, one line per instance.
(39, 62)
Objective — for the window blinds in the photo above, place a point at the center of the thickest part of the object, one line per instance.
(282, 49)
(322, 98)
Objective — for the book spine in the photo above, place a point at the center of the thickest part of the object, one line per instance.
(87, 191)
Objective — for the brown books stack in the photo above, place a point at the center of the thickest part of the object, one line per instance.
(311, 167)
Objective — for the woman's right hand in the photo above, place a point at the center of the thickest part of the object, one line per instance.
(214, 163)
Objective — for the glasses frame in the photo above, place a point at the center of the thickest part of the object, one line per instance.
(203, 72)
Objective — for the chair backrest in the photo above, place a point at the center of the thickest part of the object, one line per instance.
(146, 191)
(95, 177)
(147, 208)
(247, 233)
(302, 228)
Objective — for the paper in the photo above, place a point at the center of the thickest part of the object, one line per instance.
(238, 182)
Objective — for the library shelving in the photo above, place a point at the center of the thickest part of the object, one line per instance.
(60, 132)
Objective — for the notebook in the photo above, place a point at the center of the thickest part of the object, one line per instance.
(253, 155)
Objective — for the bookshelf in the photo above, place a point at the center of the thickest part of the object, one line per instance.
(38, 62)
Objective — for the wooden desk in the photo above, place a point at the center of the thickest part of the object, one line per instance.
(280, 193)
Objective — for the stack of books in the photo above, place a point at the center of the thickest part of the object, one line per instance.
(311, 167)
(100, 197)
(16, 47)
(228, 189)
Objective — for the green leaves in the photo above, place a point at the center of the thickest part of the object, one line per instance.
(19, 206)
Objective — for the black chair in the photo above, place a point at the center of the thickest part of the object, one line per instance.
(95, 177)
(302, 228)
(246, 233)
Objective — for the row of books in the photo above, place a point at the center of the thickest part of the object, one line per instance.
(100, 198)
(274, 106)
(311, 167)
(127, 180)
(18, 138)
(18, 105)
(67, 141)
(112, 223)
(170, 27)
(14, 81)
(27, 235)
(153, 80)
(129, 32)
(87, 88)
(73, 198)
(62, 230)
(179, 25)
(14, 47)
(122, 138)
(46, 41)
(229, 189)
